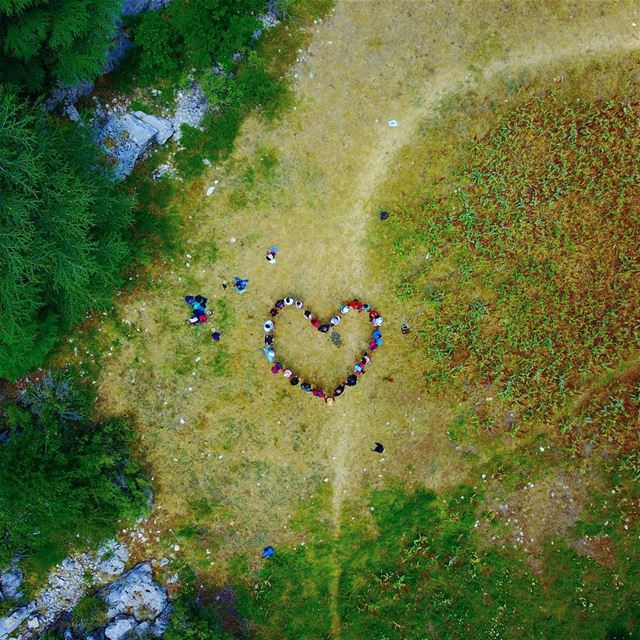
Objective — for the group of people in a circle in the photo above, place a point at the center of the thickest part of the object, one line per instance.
(359, 367)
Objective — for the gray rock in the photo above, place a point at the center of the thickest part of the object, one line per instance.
(10, 582)
(162, 622)
(137, 594)
(97, 634)
(120, 47)
(164, 562)
(33, 623)
(134, 7)
(112, 558)
(124, 138)
(143, 630)
(119, 628)
(191, 108)
(163, 170)
(141, 133)
(10, 623)
(163, 126)
(66, 95)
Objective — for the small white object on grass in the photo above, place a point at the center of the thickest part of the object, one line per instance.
(210, 190)
(182, 420)
(393, 123)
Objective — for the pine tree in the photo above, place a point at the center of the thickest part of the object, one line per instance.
(43, 42)
(63, 232)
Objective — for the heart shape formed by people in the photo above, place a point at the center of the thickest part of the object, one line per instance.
(359, 368)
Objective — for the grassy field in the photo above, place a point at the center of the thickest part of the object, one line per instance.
(490, 512)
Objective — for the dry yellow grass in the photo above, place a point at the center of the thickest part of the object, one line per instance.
(250, 444)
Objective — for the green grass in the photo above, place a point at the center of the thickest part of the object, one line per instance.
(537, 219)
(420, 569)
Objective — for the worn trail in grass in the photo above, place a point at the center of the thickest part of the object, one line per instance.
(235, 452)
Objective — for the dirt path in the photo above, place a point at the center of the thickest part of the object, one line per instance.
(367, 64)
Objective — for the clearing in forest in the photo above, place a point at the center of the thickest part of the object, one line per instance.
(240, 459)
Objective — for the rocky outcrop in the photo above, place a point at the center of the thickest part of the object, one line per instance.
(10, 583)
(126, 136)
(134, 7)
(136, 594)
(10, 623)
(120, 47)
(66, 585)
(120, 628)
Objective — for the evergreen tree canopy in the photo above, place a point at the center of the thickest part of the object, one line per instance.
(47, 41)
(61, 473)
(63, 226)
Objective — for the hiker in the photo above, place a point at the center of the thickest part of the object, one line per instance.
(277, 367)
(405, 330)
(324, 328)
(384, 215)
(215, 336)
(377, 334)
(268, 340)
(373, 345)
(366, 307)
(269, 354)
(240, 284)
(271, 255)
(358, 368)
(294, 381)
(269, 325)
(352, 380)
(356, 304)
(344, 308)
(273, 312)
(329, 401)
(299, 304)
(315, 322)
(305, 386)
(288, 301)
(365, 358)
(377, 322)
(287, 373)
(318, 393)
(268, 552)
(307, 314)
(196, 302)
(373, 314)
(334, 320)
(378, 448)
(279, 304)
(339, 390)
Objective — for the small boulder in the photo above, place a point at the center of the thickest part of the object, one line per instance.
(112, 558)
(10, 623)
(119, 628)
(10, 583)
(162, 622)
(136, 593)
(163, 126)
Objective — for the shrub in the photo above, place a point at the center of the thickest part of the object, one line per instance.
(194, 33)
